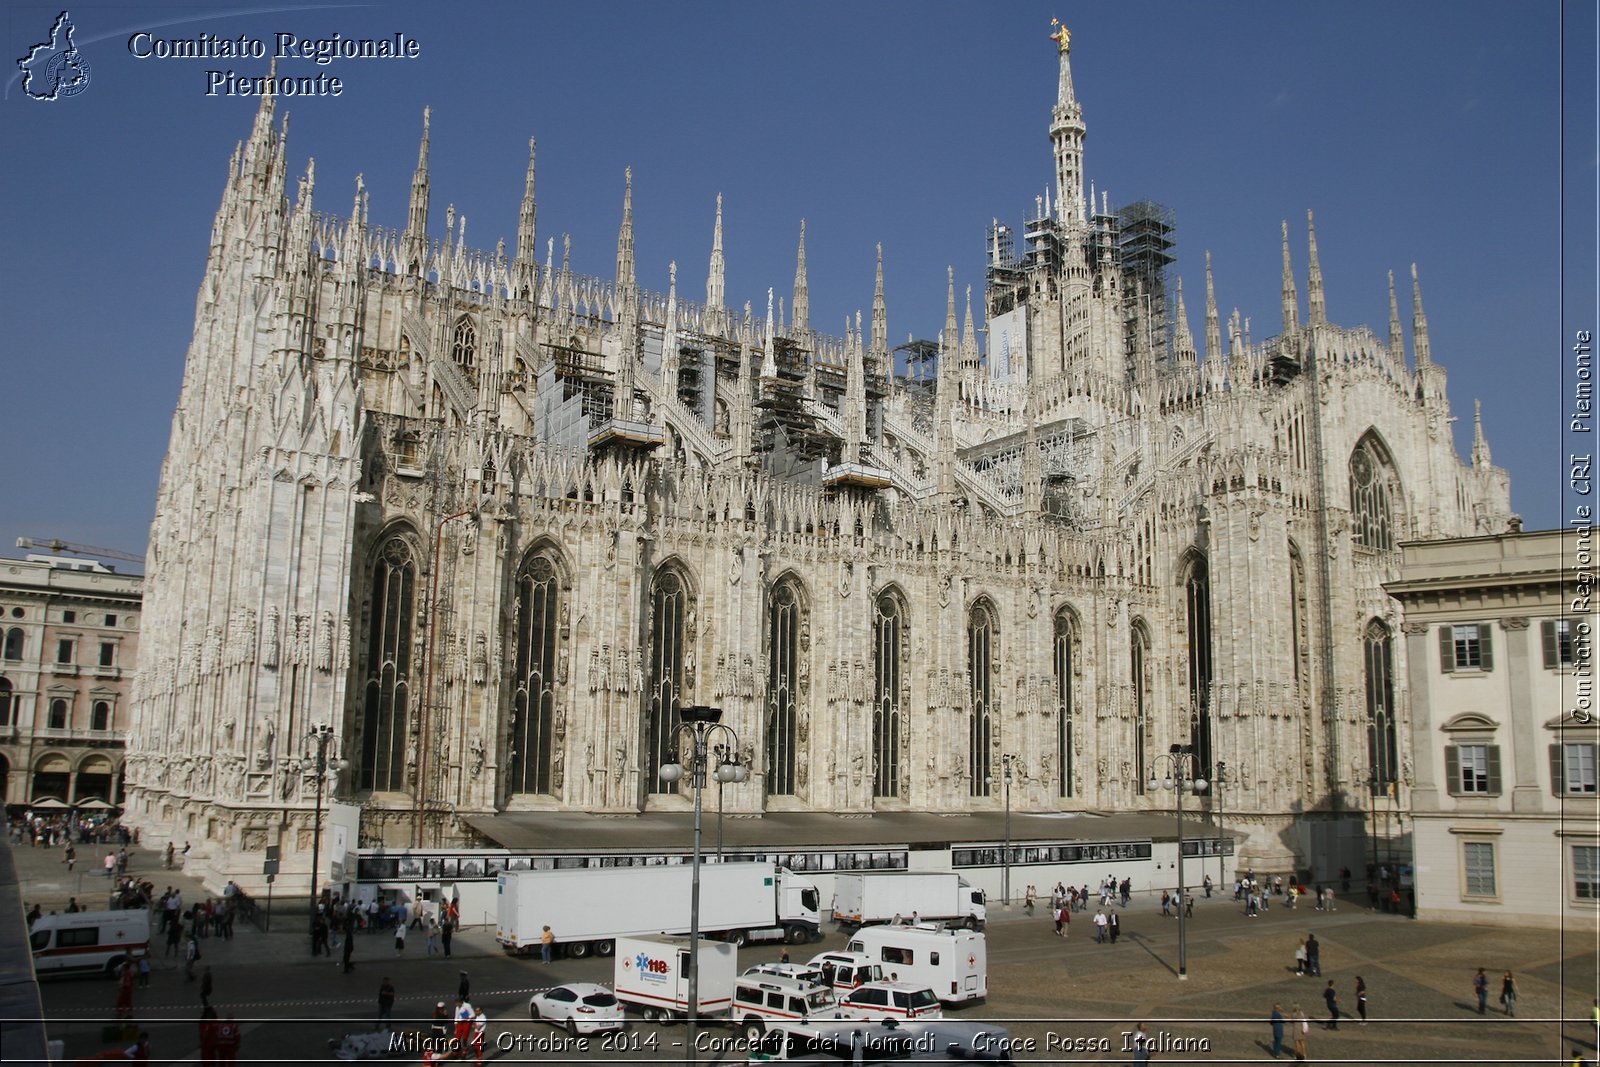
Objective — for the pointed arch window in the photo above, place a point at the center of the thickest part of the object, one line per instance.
(1066, 638)
(387, 747)
(982, 642)
(1382, 737)
(1197, 600)
(670, 601)
(1140, 664)
(1374, 496)
(533, 703)
(785, 622)
(464, 345)
(889, 645)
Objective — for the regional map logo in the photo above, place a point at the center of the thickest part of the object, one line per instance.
(55, 69)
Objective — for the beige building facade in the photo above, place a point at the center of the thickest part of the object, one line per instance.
(1505, 813)
(494, 523)
(69, 646)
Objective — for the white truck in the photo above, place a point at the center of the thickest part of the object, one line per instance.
(953, 963)
(588, 908)
(862, 898)
(652, 975)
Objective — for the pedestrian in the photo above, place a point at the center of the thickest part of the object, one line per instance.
(464, 987)
(433, 935)
(464, 1014)
(347, 951)
(1029, 896)
(1208, 886)
(1188, 905)
(209, 1024)
(124, 1009)
(1300, 958)
(1113, 926)
(1327, 901)
(446, 930)
(1331, 996)
(1313, 956)
(546, 941)
(205, 987)
(191, 956)
(168, 855)
(1166, 904)
(1508, 994)
(1361, 999)
(70, 858)
(229, 1038)
(1302, 1033)
(399, 939)
(1100, 927)
(1277, 1030)
(1480, 989)
(319, 936)
(1141, 1044)
(385, 1001)
(1059, 920)
(110, 864)
(480, 1031)
(439, 1024)
(144, 971)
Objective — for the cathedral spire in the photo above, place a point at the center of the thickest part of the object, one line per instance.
(1480, 444)
(855, 393)
(880, 325)
(1291, 299)
(528, 221)
(1316, 305)
(969, 339)
(669, 333)
(951, 338)
(1213, 323)
(802, 296)
(1419, 324)
(626, 275)
(1066, 135)
(716, 280)
(1397, 337)
(416, 235)
(1183, 342)
(1032, 462)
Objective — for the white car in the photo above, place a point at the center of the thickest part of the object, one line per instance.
(890, 1000)
(801, 971)
(582, 1007)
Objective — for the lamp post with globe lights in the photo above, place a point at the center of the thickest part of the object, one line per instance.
(697, 725)
(321, 735)
(1184, 774)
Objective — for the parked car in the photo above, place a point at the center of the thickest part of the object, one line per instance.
(804, 972)
(582, 1007)
(890, 1000)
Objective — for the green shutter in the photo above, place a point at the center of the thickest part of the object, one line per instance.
(1447, 649)
(1486, 645)
(1452, 768)
(1558, 770)
(1494, 770)
(1552, 652)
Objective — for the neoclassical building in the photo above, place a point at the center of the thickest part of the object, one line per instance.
(495, 523)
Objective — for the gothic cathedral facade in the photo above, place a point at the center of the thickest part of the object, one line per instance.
(495, 523)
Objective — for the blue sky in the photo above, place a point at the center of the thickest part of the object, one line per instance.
(1427, 132)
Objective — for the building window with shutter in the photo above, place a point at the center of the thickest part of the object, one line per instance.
(1474, 769)
(1586, 872)
(1559, 648)
(1477, 868)
(1572, 769)
(1465, 647)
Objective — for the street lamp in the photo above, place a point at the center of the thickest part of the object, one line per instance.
(727, 756)
(321, 735)
(1220, 779)
(700, 723)
(1006, 761)
(1185, 775)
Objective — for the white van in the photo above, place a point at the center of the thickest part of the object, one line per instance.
(953, 963)
(762, 999)
(846, 970)
(89, 941)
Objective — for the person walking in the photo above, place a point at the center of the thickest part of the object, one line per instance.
(464, 987)
(1029, 896)
(433, 935)
(1313, 956)
(1508, 994)
(1100, 927)
(1302, 1033)
(1141, 1044)
(1361, 999)
(446, 931)
(1114, 926)
(1060, 911)
(480, 1031)
(547, 942)
(399, 939)
(1480, 989)
(347, 951)
(144, 971)
(1277, 1030)
(1300, 959)
(191, 956)
(385, 1002)
(1330, 995)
